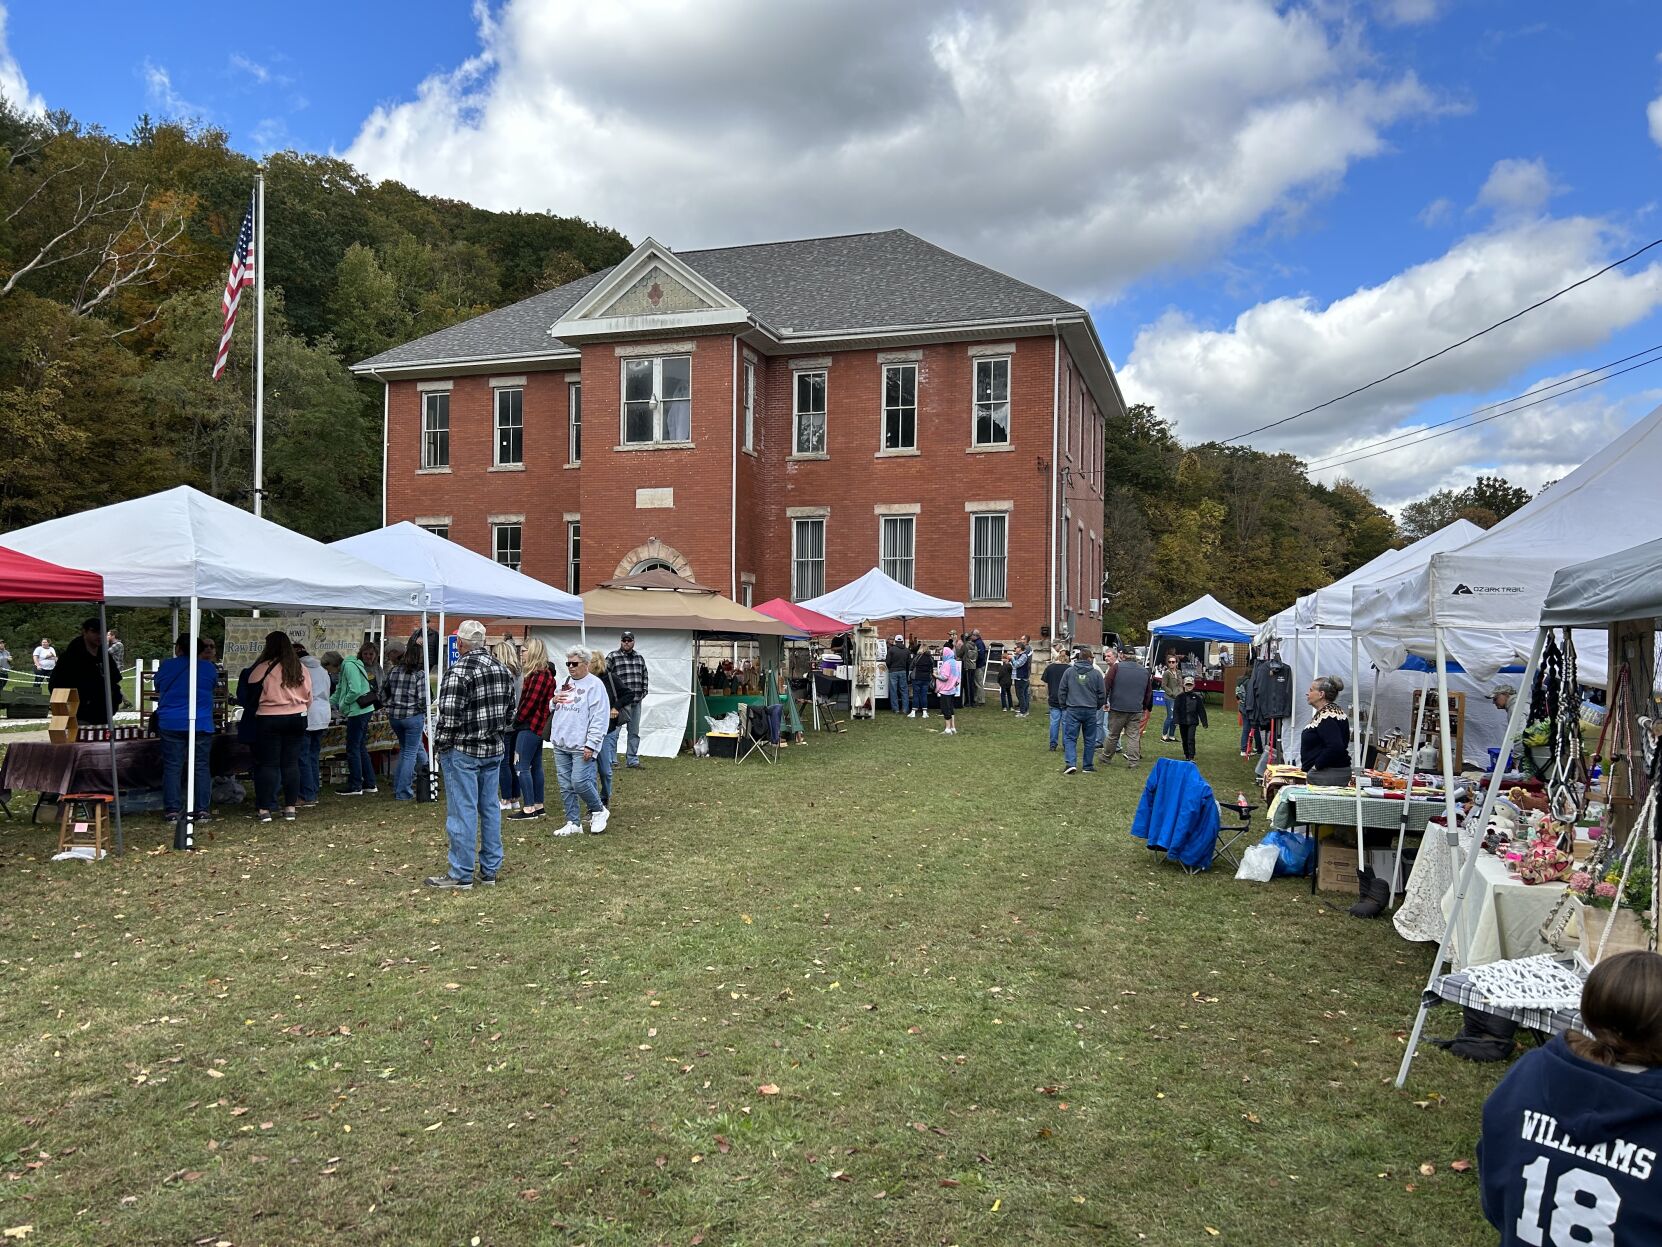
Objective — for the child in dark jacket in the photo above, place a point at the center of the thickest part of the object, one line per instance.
(1189, 709)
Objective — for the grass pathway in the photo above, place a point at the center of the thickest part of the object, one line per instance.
(898, 989)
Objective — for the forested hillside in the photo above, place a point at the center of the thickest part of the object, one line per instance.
(113, 256)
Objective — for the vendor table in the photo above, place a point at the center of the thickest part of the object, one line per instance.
(1503, 914)
(39, 766)
(1337, 807)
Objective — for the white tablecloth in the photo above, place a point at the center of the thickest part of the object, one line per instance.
(1504, 914)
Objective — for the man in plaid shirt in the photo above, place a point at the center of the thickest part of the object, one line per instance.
(475, 707)
(628, 670)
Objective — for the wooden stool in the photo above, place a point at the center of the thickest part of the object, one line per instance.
(83, 822)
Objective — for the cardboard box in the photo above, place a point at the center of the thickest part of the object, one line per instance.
(1337, 872)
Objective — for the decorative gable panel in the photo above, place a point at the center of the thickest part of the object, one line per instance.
(654, 293)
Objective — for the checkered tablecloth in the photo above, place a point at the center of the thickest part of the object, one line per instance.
(1457, 989)
(1311, 806)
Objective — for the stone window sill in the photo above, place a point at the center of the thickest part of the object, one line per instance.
(992, 448)
(654, 446)
(897, 454)
(818, 455)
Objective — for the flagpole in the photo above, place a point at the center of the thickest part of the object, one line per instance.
(259, 343)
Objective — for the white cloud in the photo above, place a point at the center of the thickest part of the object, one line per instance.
(1517, 187)
(1290, 353)
(158, 85)
(1076, 144)
(13, 85)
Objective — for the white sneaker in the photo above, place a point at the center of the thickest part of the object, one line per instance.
(570, 829)
(598, 820)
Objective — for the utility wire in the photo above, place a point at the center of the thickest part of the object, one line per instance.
(1485, 420)
(1318, 464)
(1450, 347)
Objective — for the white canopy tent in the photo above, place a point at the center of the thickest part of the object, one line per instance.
(181, 547)
(878, 596)
(1204, 607)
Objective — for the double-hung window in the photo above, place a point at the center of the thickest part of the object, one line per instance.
(574, 555)
(574, 420)
(992, 402)
(809, 414)
(897, 546)
(900, 407)
(989, 552)
(749, 405)
(435, 430)
(807, 558)
(505, 539)
(510, 427)
(657, 400)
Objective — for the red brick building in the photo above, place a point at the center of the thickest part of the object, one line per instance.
(772, 420)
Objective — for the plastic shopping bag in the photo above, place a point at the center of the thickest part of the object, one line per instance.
(1258, 863)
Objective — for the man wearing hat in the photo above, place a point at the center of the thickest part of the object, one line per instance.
(475, 708)
(899, 660)
(627, 668)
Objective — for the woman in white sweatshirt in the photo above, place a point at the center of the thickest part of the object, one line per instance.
(577, 729)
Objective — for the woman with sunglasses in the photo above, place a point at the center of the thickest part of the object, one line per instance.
(577, 729)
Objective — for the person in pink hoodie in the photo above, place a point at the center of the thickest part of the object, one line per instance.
(948, 677)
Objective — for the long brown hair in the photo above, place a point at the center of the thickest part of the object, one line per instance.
(280, 650)
(1621, 1003)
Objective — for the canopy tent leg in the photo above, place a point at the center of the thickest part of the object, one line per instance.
(109, 706)
(184, 831)
(1514, 724)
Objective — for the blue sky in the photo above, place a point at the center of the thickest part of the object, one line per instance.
(1263, 204)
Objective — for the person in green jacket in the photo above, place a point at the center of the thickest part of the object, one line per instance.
(351, 682)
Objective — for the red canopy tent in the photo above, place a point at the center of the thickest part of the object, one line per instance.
(24, 578)
(811, 623)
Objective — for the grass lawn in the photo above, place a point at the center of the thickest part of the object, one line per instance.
(901, 988)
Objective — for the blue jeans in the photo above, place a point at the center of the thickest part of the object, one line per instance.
(1078, 721)
(410, 754)
(605, 765)
(360, 768)
(528, 761)
(900, 688)
(1055, 724)
(471, 813)
(920, 694)
(507, 779)
(576, 778)
(630, 717)
(174, 747)
(311, 765)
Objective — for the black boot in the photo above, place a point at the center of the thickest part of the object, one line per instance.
(1376, 895)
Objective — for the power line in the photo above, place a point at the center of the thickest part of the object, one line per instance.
(1513, 411)
(1319, 464)
(1450, 347)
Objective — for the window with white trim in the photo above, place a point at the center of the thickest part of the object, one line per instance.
(505, 544)
(657, 400)
(749, 405)
(808, 414)
(510, 427)
(435, 430)
(574, 421)
(992, 401)
(574, 555)
(989, 554)
(807, 558)
(897, 545)
(900, 407)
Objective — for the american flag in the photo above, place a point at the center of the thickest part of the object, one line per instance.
(242, 274)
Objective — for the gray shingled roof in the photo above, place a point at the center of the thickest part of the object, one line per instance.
(813, 285)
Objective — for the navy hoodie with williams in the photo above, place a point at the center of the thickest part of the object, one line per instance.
(1570, 1152)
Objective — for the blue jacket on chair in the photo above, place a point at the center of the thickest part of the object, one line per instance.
(1178, 814)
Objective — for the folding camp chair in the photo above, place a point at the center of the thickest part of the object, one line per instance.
(756, 736)
(1230, 834)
